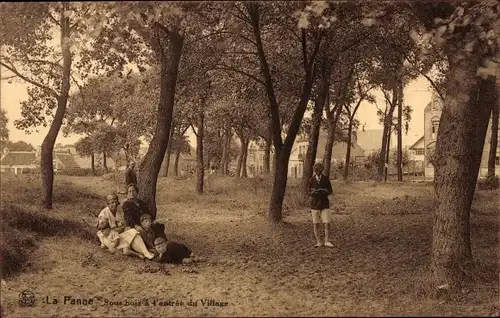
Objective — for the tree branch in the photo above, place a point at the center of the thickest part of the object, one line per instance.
(303, 41)
(243, 17)
(233, 69)
(26, 79)
(41, 62)
(316, 49)
(194, 130)
(248, 39)
(209, 35)
(387, 98)
(8, 77)
(54, 20)
(438, 91)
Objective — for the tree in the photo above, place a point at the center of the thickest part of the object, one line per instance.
(27, 30)
(4, 131)
(84, 147)
(162, 29)
(114, 113)
(466, 35)
(493, 139)
(310, 42)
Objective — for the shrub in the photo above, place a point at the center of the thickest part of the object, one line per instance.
(21, 219)
(20, 229)
(488, 183)
(22, 222)
(80, 172)
(15, 248)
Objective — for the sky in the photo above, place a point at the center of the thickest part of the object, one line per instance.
(417, 94)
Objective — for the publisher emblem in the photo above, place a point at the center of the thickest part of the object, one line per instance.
(26, 298)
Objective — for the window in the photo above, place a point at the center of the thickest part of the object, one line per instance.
(419, 151)
(435, 126)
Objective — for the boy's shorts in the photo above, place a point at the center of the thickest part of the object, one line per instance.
(321, 216)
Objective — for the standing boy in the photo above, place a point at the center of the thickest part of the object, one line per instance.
(130, 176)
(319, 190)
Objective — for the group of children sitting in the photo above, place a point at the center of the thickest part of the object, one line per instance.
(160, 249)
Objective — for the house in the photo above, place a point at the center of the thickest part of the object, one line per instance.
(85, 162)
(18, 162)
(187, 162)
(299, 149)
(432, 116)
(64, 160)
(417, 150)
(255, 159)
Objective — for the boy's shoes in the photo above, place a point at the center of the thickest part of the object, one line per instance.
(328, 244)
(318, 245)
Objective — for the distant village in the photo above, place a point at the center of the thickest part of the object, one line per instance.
(364, 143)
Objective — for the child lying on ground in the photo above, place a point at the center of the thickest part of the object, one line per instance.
(170, 252)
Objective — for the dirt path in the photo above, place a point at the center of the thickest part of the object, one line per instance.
(380, 258)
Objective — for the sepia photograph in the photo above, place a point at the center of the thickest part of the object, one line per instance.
(250, 158)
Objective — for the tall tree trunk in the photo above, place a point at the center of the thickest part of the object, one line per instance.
(200, 167)
(244, 172)
(239, 163)
(168, 155)
(400, 129)
(47, 151)
(387, 152)
(150, 165)
(267, 151)
(176, 162)
(225, 151)
(459, 147)
(387, 127)
(312, 145)
(348, 152)
(104, 161)
(92, 164)
(279, 186)
(330, 139)
(494, 136)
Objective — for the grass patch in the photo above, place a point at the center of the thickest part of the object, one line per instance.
(24, 223)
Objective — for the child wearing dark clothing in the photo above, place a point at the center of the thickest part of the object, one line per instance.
(146, 231)
(170, 252)
(319, 189)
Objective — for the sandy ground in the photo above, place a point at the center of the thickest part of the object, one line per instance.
(378, 267)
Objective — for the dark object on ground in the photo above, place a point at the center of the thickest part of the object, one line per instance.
(159, 230)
